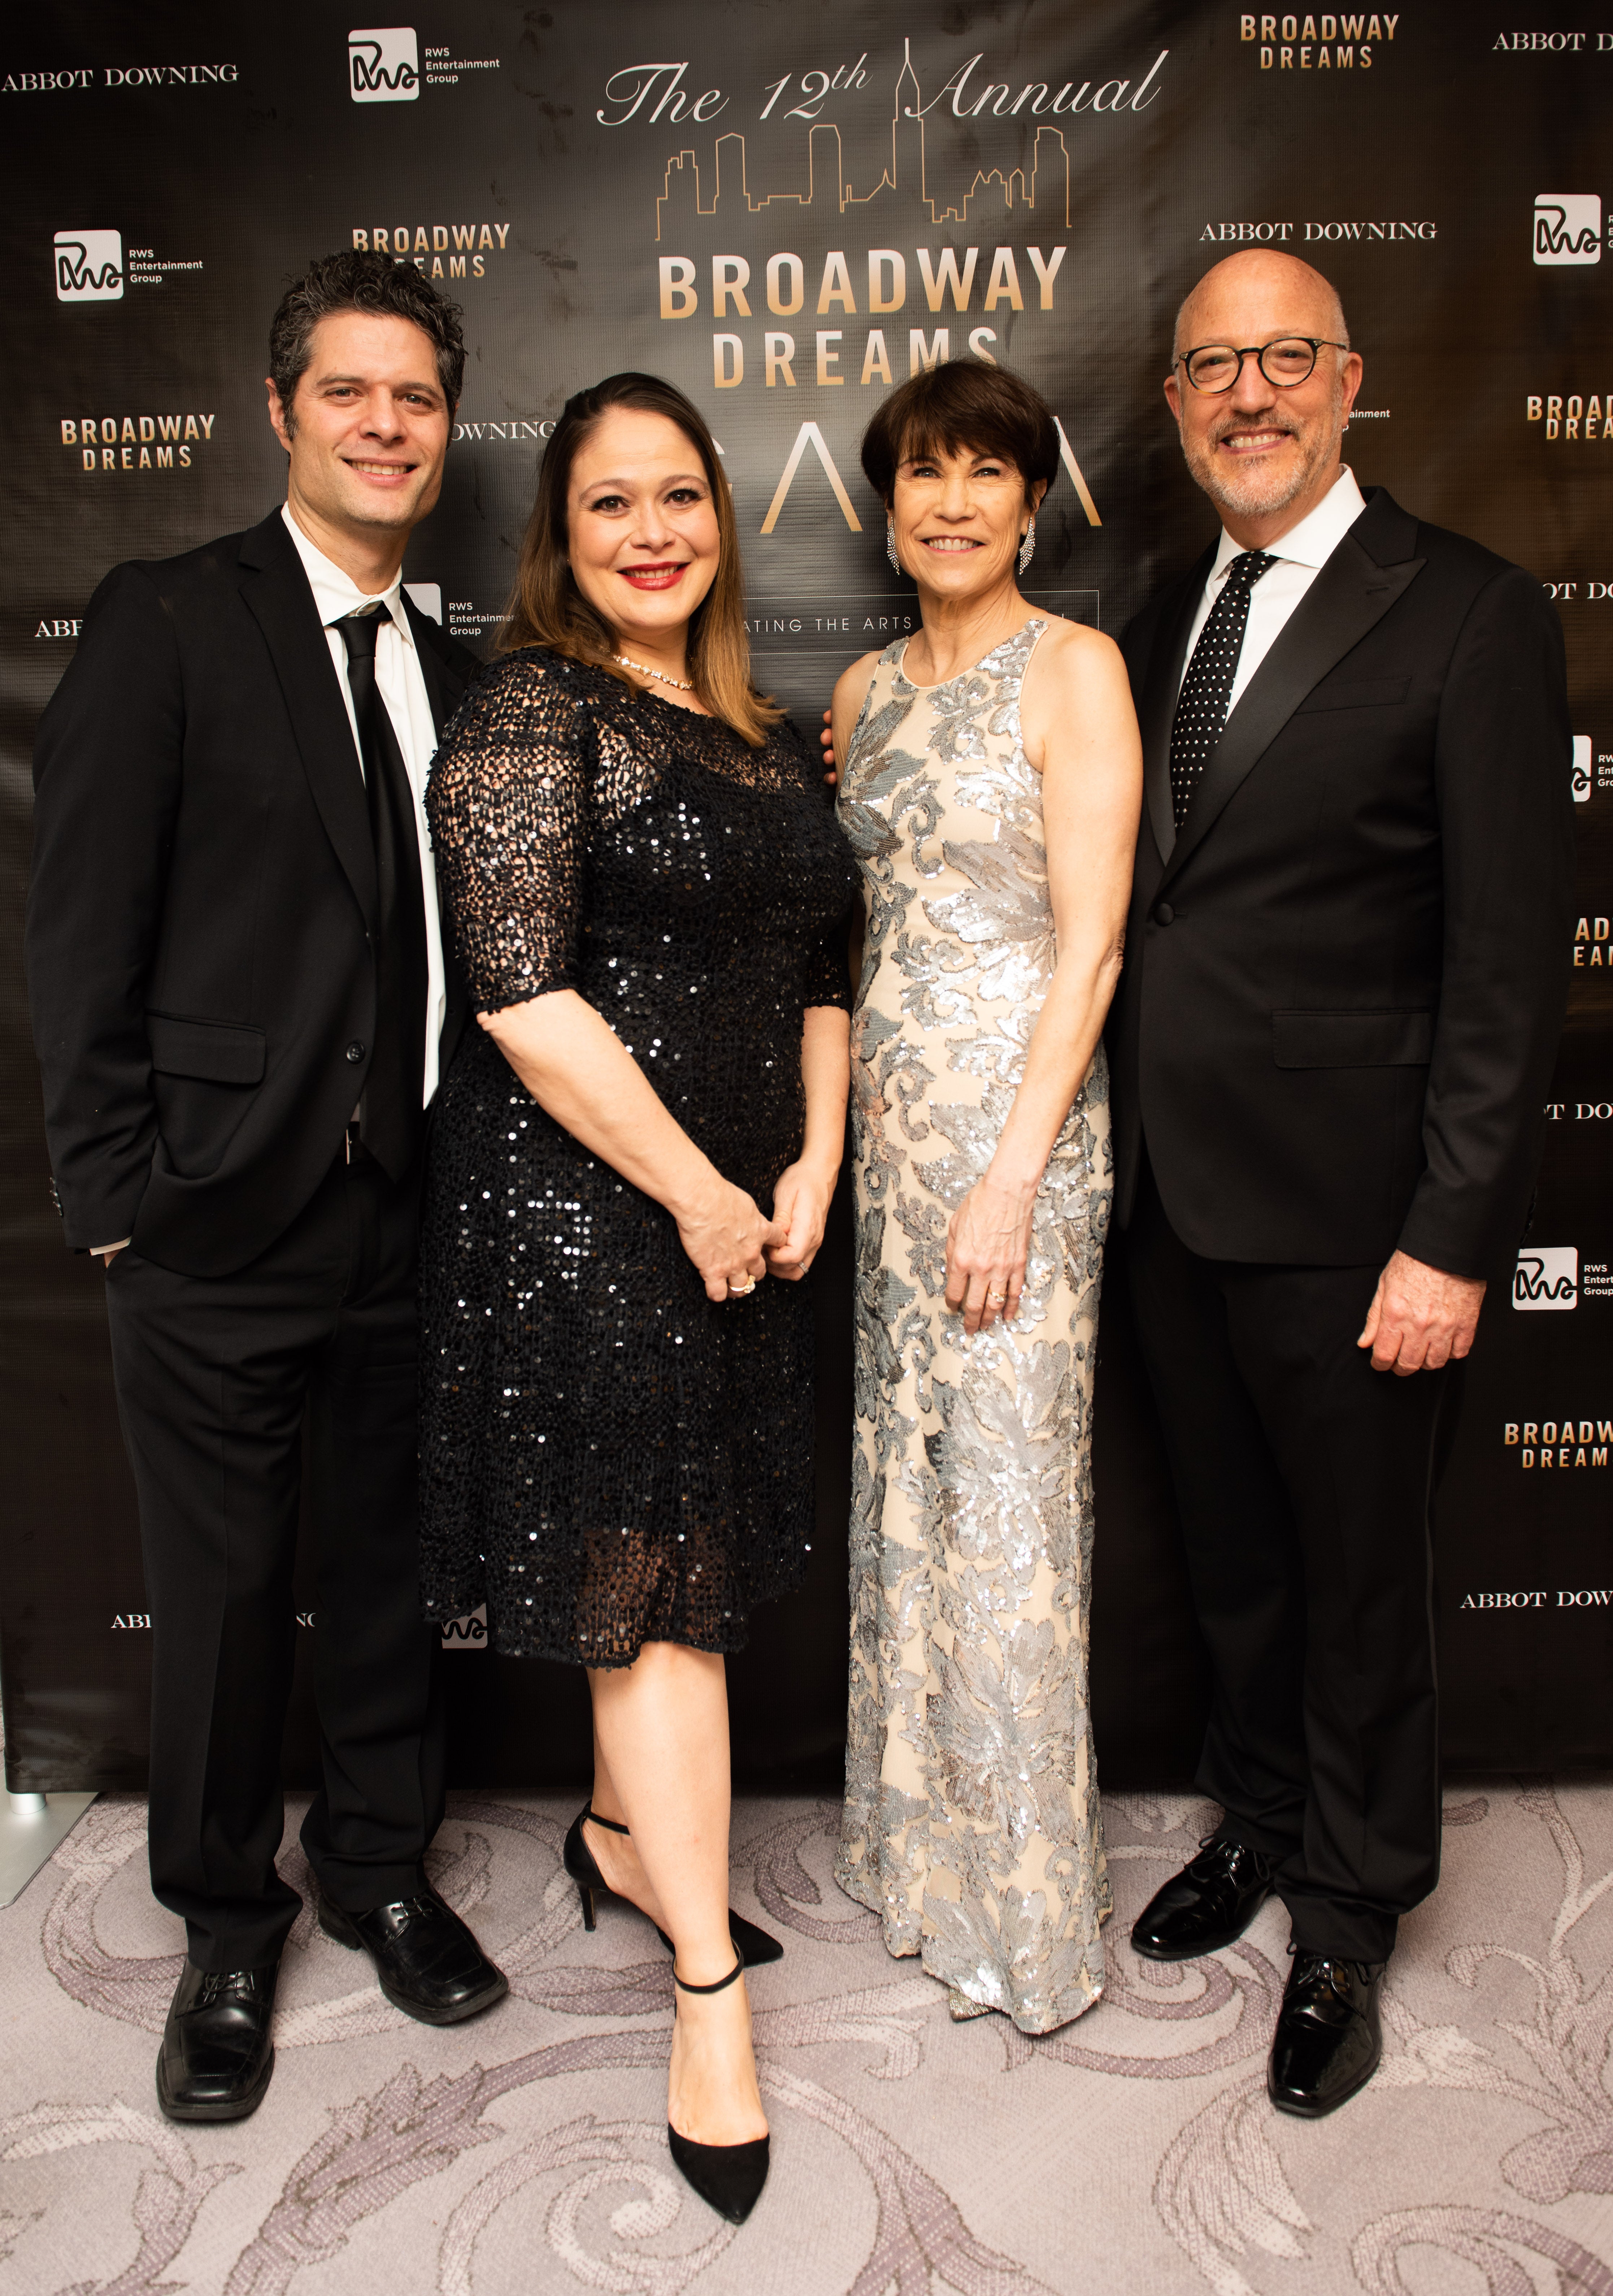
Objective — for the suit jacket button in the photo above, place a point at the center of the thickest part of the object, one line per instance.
(356, 1051)
(1164, 915)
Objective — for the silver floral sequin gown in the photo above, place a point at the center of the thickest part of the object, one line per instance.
(971, 1823)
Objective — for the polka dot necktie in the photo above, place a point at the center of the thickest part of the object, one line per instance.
(1207, 690)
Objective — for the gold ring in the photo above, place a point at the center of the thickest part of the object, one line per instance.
(741, 1291)
(996, 1297)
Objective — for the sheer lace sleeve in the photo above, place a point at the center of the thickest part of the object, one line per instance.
(509, 807)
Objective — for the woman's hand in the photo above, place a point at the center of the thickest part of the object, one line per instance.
(727, 1238)
(800, 1209)
(988, 1240)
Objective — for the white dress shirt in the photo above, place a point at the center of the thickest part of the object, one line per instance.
(1300, 554)
(402, 686)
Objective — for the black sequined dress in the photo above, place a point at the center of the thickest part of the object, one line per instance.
(608, 1458)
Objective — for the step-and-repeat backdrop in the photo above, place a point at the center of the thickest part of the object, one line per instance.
(788, 211)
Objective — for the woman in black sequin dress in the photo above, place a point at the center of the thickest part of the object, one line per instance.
(647, 890)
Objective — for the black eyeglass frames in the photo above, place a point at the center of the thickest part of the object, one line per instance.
(1287, 360)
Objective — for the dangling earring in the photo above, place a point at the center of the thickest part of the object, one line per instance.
(891, 544)
(1028, 548)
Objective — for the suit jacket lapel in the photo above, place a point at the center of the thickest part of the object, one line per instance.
(1351, 593)
(1162, 683)
(275, 591)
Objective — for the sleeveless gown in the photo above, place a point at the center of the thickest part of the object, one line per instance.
(971, 1823)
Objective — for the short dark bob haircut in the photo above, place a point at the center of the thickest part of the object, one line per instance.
(356, 280)
(961, 404)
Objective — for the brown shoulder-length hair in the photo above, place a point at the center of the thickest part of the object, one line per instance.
(547, 608)
(961, 404)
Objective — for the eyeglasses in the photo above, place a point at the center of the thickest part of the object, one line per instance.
(1215, 367)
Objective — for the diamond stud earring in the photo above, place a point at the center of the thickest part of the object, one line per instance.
(1028, 548)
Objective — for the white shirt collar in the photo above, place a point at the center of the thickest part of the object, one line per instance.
(336, 594)
(1313, 542)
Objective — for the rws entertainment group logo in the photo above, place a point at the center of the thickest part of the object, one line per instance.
(92, 266)
(384, 65)
(89, 267)
(1552, 1276)
(1547, 1277)
(1567, 227)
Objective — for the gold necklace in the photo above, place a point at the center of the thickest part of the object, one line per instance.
(683, 684)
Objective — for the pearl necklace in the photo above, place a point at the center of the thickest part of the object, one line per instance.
(683, 684)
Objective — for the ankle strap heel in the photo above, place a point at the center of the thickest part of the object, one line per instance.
(722, 1984)
(591, 1816)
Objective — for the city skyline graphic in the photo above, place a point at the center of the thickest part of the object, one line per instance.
(1042, 189)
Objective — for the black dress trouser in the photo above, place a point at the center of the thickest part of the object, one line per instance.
(215, 1377)
(1304, 1478)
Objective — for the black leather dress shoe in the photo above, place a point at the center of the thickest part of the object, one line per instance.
(217, 2056)
(1212, 1901)
(429, 1963)
(1329, 2039)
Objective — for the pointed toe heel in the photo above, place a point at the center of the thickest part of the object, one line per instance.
(728, 2177)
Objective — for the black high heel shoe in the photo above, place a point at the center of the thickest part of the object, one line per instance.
(728, 2177)
(755, 1946)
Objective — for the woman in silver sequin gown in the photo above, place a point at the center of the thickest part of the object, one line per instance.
(990, 789)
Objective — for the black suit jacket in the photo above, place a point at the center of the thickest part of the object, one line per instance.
(1346, 976)
(200, 973)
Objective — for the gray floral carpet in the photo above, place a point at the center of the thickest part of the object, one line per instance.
(1133, 2151)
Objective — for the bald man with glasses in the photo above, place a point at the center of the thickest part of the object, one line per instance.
(1346, 975)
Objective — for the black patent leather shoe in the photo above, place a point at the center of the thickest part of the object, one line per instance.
(429, 1963)
(579, 1861)
(1209, 1904)
(1328, 2037)
(217, 2057)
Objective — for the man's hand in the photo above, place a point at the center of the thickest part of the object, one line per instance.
(1421, 1318)
(827, 738)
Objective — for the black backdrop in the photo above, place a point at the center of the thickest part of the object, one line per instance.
(782, 216)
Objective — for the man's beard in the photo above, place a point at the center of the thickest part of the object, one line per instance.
(1254, 491)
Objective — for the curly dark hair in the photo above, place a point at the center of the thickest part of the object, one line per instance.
(356, 280)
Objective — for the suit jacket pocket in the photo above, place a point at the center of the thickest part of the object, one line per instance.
(1401, 1039)
(215, 1051)
(1356, 694)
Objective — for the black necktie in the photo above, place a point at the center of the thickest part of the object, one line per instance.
(393, 1118)
(1207, 690)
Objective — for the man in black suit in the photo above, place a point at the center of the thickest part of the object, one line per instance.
(241, 1012)
(1345, 973)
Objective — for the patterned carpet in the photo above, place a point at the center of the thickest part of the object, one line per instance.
(1134, 2151)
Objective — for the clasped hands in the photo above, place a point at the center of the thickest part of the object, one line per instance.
(732, 1242)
